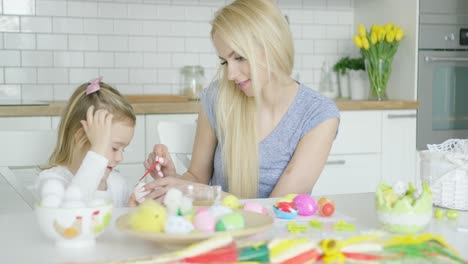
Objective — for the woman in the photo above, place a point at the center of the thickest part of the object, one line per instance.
(259, 132)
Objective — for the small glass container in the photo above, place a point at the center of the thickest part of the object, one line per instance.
(192, 78)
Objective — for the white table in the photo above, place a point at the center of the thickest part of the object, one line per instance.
(22, 242)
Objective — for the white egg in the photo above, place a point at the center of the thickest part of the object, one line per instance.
(53, 186)
(399, 188)
(178, 225)
(73, 193)
(73, 204)
(51, 200)
(219, 211)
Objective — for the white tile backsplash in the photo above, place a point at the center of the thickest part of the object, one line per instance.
(52, 75)
(34, 92)
(68, 59)
(52, 42)
(115, 75)
(129, 60)
(10, 58)
(82, 9)
(20, 41)
(48, 47)
(51, 8)
(142, 44)
(82, 75)
(67, 25)
(36, 24)
(37, 58)
(83, 42)
(12, 92)
(20, 75)
(9, 24)
(99, 59)
(19, 7)
(112, 10)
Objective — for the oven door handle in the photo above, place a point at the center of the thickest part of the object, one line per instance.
(435, 59)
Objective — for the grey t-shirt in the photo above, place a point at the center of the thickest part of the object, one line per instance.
(308, 109)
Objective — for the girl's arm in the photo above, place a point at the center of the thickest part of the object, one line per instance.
(308, 160)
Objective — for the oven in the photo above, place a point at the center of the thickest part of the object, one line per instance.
(442, 72)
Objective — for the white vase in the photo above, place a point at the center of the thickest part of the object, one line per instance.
(359, 85)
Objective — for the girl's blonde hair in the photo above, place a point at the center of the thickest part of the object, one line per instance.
(71, 134)
(253, 29)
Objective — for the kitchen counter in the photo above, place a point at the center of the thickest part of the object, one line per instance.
(55, 108)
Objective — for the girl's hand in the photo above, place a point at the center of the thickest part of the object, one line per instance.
(166, 165)
(97, 127)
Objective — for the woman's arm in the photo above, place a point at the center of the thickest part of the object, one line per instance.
(308, 160)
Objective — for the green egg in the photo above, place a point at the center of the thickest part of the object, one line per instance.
(230, 222)
(452, 214)
(439, 213)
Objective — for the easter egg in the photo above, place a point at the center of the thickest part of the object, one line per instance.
(305, 204)
(73, 193)
(326, 207)
(452, 214)
(177, 225)
(204, 221)
(285, 210)
(255, 207)
(53, 186)
(51, 200)
(231, 201)
(439, 213)
(230, 222)
(219, 211)
(149, 216)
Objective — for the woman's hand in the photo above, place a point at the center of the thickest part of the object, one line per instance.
(97, 127)
(166, 165)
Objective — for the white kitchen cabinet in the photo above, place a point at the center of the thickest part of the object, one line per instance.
(370, 146)
(399, 155)
(359, 132)
(354, 162)
(349, 174)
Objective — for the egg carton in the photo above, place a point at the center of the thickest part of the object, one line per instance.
(444, 167)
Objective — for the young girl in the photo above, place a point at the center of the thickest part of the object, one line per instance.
(96, 126)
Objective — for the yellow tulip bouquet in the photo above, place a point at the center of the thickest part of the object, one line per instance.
(378, 47)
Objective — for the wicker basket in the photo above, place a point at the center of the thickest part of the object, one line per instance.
(444, 167)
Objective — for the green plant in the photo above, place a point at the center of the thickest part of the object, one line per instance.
(347, 63)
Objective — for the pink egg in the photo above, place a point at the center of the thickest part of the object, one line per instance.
(204, 221)
(255, 207)
(305, 204)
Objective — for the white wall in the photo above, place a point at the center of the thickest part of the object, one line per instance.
(48, 47)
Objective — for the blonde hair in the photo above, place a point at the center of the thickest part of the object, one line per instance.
(71, 134)
(250, 28)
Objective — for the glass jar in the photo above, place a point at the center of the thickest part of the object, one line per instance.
(192, 78)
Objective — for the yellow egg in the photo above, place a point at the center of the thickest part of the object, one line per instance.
(231, 201)
(149, 216)
(289, 197)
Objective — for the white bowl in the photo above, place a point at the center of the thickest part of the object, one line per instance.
(74, 227)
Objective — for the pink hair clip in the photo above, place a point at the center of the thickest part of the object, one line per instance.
(93, 85)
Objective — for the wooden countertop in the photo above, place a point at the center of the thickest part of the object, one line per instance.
(188, 107)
